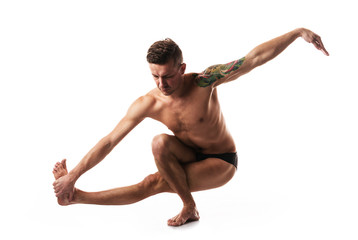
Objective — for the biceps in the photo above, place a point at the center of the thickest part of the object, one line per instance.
(135, 114)
(218, 72)
(121, 130)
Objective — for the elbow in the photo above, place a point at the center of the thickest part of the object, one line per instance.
(259, 59)
(260, 55)
(253, 60)
(107, 144)
(103, 148)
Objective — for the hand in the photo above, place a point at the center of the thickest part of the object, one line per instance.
(313, 38)
(64, 185)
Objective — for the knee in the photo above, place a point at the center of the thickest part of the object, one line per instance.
(160, 145)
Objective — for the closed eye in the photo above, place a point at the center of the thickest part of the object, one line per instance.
(164, 77)
(167, 77)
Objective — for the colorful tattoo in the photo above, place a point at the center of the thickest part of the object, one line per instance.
(214, 73)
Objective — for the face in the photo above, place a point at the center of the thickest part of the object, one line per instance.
(168, 77)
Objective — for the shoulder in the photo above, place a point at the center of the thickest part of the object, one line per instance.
(142, 107)
(146, 100)
(208, 77)
(198, 79)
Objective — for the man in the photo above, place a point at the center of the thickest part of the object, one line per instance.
(201, 154)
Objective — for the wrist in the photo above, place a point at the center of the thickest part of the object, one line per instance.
(299, 32)
(73, 176)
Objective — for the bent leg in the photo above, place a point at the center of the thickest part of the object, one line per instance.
(178, 166)
(169, 154)
(208, 174)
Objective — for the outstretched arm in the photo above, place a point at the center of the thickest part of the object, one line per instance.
(269, 50)
(217, 74)
(136, 113)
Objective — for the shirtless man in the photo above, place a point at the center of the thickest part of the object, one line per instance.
(201, 154)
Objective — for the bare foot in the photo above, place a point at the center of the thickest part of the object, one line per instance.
(188, 214)
(60, 170)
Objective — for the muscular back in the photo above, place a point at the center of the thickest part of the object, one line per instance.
(195, 118)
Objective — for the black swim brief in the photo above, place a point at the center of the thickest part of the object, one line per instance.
(227, 157)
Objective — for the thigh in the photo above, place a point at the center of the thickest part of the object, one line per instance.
(209, 173)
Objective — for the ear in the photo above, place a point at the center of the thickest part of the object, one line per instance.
(182, 68)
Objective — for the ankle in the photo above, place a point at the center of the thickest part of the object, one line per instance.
(76, 196)
(189, 205)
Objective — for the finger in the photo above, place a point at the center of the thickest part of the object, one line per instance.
(59, 193)
(57, 189)
(321, 46)
(323, 49)
(316, 44)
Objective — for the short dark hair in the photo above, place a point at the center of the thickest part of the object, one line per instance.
(161, 52)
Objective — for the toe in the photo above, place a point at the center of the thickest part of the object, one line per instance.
(60, 168)
(171, 222)
(175, 221)
(63, 163)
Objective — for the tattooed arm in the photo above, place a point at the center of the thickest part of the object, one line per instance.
(218, 74)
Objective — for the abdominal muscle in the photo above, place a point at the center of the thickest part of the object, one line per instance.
(209, 136)
(208, 141)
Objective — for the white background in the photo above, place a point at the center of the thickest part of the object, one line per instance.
(70, 69)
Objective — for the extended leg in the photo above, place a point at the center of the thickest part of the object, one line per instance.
(151, 185)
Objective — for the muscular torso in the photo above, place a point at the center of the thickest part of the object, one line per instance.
(195, 118)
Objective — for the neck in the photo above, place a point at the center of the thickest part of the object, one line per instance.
(180, 92)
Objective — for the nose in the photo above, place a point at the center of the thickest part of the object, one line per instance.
(162, 82)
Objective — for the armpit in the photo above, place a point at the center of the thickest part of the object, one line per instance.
(216, 72)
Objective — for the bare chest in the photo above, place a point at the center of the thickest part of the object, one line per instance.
(186, 117)
(196, 120)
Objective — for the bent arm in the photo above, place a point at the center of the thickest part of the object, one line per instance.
(217, 74)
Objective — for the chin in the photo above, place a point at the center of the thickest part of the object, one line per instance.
(167, 93)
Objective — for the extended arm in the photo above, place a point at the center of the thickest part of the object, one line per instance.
(136, 113)
(217, 74)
